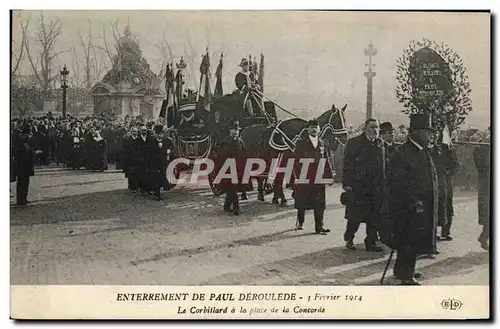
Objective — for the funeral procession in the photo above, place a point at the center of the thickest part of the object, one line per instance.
(188, 149)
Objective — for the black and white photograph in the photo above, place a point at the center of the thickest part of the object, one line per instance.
(250, 150)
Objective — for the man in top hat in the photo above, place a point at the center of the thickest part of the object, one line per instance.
(363, 179)
(413, 199)
(24, 163)
(232, 147)
(311, 194)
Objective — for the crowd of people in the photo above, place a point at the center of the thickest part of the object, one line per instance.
(89, 144)
(404, 193)
(387, 173)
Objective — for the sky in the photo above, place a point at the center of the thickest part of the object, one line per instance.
(312, 59)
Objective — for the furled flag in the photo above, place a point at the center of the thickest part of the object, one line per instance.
(169, 84)
(218, 83)
(260, 82)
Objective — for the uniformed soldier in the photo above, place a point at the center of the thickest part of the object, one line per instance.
(232, 147)
(246, 84)
(311, 195)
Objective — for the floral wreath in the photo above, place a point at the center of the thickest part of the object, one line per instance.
(453, 107)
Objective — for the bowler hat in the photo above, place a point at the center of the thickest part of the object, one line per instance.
(420, 121)
(386, 126)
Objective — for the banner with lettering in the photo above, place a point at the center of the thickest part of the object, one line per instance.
(432, 78)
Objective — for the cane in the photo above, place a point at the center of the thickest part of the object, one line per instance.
(386, 267)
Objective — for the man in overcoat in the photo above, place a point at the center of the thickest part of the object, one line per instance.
(159, 151)
(482, 161)
(451, 168)
(143, 164)
(365, 162)
(24, 164)
(232, 147)
(311, 193)
(413, 199)
(387, 135)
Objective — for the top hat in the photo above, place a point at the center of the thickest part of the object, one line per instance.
(312, 123)
(244, 62)
(386, 126)
(420, 121)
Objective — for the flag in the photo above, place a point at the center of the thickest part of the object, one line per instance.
(218, 83)
(207, 94)
(169, 82)
(260, 81)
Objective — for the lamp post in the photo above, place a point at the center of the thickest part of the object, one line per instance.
(64, 86)
(370, 52)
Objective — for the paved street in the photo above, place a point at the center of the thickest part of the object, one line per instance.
(86, 228)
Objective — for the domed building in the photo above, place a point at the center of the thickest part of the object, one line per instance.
(130, 87)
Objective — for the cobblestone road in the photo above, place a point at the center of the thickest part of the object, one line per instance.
(86, 228)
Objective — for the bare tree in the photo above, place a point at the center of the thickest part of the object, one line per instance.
(91, 65)
(18, 55)
(163, 46)
(41, 62)
(109, 45)
(75, 80)
(193, 59)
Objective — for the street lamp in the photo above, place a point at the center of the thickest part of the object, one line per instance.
(64, 86)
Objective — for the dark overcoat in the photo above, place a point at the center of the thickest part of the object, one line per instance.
(98, 157)
(482, 160)
(233, 148)
(439, 158)
(364, 172)
(13, 138)
(24, 158)
(413, 195)
(452, 166)
(311, 195)
(158, 152)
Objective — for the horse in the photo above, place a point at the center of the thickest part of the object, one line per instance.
(278, 142)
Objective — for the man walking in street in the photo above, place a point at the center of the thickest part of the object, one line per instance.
(387, 135)
(24, 164)
(311, 194)
(413, 199)
(232, 147)
(364, 179)
(482, 161)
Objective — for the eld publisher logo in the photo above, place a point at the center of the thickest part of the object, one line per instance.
(451, 304)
